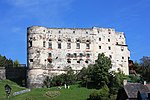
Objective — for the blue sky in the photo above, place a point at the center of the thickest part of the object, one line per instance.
(129, 16)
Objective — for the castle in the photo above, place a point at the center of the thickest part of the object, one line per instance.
(50, 51)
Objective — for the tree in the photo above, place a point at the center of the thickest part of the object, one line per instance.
(99, 72)
(116, 81)
(16, 63)
(145, 68)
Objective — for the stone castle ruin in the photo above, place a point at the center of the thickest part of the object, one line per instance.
(52, 50)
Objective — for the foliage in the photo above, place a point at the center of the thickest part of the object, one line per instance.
(67, 78)
(4, 62)
(116, 82)
(97, 73)
(16, 63)
(101, 94)
(143, 68)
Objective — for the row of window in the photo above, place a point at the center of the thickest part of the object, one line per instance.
(68, 45)
(101, 39)
(72, 55)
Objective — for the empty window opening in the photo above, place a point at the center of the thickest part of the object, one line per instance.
(75, 55)
(81, 54)
(31, 60)
(87, 55)
(73, 31)
(86, 61)
(50, 45)
(68, 45)
(59, 31)
(110, 56)
(49, 60)
(69, 40)
(99, 39)
(49, 54)
(59, 45)
(68, 55)
(30, 43)
(69, 60)
(108, 40)
(122, 57)
(59, 40)
(43, 43)
(87, 46)
(109, 48)
(99, 47)
(78, 45)
(78, 61)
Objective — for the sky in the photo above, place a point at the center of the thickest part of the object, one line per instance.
(129, 16)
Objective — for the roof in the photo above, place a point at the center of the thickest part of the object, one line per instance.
(132, 89)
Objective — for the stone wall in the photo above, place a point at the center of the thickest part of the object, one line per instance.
(2, 73)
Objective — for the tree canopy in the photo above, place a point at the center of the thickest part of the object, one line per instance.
(5, 62)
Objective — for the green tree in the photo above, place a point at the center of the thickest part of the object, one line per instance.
(16, 63)
(99, 72)
(145, 68)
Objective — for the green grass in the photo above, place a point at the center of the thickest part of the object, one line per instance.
(74, 93)
(13, 85)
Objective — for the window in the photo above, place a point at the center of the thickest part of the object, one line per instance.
(59, 45)
(99, 39)
(78, 61)
(49, 55)
(122, 49)
(122, 57)
(59, 31)
(86, 32)
(78, 45)
(81, 54)
(69, 60)
(109, 48)
(30, 43)
(31, 60)
(109, 32)
(73, 31)
(108, 40)
(49, 60)
(68, 55)
(110, 56)
(99, 47)
(87, 46)
(69, 40)
(86, 61)
(75, 55)
(59, 40)
(43, 43)
(50, 45)
(68, 45)
(87, 55)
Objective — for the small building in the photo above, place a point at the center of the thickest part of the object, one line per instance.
(134, 91)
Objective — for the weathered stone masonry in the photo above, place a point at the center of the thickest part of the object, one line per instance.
(52, 50)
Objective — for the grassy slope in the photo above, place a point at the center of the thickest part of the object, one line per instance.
(13, 85)
(74, 93)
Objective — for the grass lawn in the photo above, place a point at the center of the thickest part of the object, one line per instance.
(73, 93)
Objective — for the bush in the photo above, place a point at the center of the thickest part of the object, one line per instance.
(101, 94)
